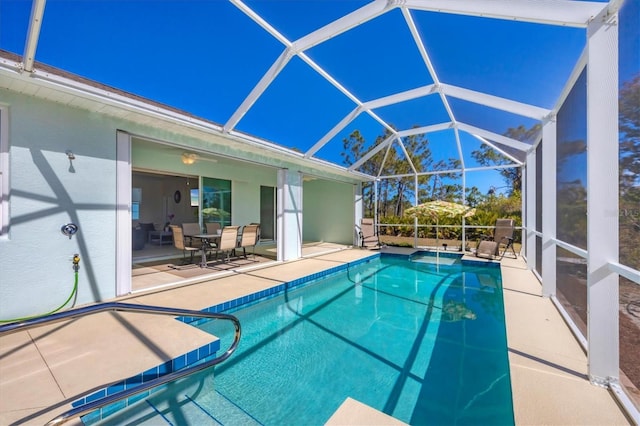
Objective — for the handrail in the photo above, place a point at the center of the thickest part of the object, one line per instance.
(126, 307)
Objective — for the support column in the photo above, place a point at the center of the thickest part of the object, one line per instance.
(123, 213)
(531, 209)
(602, 201)
(375, 203)
(289, 215)
(359, 208)
(415, 203)
(464, 202)
(549, 135)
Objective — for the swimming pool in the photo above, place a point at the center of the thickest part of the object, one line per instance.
(422, 342)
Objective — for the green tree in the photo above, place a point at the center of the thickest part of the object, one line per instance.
(393, 193)
(488, 156)
(474, 197)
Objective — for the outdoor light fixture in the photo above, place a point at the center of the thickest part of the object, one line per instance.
(189, 158)
(70, 155)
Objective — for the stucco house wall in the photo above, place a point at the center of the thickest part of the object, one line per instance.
(48, 190)
(325, 214)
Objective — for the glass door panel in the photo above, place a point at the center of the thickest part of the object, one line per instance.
(216, 201)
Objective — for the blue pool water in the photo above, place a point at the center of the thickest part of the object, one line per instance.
(422, 342)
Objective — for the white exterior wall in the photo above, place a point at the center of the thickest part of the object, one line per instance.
(326, 220)
(36, 274)
(48, 191)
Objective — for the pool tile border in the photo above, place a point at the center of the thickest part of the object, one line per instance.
(274, 291)
(201, 353)
(175, 364)
(489, 263)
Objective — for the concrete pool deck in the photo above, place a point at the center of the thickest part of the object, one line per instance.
(43, 370)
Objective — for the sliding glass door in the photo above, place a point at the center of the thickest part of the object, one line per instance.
(216, 201)
(267, 212)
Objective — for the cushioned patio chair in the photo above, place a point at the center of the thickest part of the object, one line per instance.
(249, 239)
(228, 241)
(368, 235)
(502, 236)
(180, 244)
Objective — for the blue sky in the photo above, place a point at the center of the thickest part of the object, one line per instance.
(206, 56)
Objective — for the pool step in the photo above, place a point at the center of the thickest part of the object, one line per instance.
(225, 411)
(179, 410)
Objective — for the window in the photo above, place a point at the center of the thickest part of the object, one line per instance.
(195, 197)
(136, 199)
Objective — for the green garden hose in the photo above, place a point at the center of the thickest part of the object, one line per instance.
(76, 267)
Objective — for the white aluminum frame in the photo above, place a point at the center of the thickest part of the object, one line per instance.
(530, 211)
(600, 58)
(549, 135)
(602, 201)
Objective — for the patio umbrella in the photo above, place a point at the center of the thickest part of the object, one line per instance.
(438, 208)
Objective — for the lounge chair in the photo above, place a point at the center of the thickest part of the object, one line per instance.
(502, 236)
(368, 235)
(249, 239)
(487, 248)
(228, 240)
(180, 244)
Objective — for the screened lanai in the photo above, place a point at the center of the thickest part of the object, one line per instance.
(517, 109)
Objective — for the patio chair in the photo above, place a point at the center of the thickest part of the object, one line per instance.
(189, 229)
(259, 236)
(249, 239)
(180, 244)
(502, 236)
(487, 248)
(228, 241)
(368, 235)
(213, 227)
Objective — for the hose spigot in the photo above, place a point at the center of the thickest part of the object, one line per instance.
(76, 262)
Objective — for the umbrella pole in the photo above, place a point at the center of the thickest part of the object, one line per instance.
(437, 246)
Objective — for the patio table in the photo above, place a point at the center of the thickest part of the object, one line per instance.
(208, 240)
